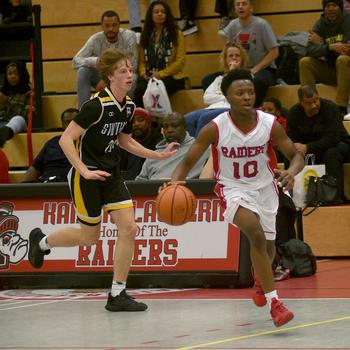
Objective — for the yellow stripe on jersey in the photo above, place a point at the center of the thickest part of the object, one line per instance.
(120, 205)
(105, 99)
(77, 145)
(78, 198)
(89, 220)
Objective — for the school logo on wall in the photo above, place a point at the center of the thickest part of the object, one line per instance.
(13, 248)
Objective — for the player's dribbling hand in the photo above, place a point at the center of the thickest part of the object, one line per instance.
(284, 179)
(166, 184)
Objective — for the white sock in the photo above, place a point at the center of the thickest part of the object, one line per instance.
(117, 287)
(271, 295)
(43, 244)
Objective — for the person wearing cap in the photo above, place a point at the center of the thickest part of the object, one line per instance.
(145, 132)
(327, 58)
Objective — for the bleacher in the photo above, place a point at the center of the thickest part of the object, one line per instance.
(67, 24)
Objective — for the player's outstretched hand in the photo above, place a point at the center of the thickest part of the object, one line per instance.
(170, 150)
(96, 175)
(284, 179)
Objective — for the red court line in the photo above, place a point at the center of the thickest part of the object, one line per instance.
(330, 281)
(156, 348)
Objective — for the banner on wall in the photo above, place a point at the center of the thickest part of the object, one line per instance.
(206, 243)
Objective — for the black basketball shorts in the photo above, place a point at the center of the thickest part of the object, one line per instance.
(91, 196)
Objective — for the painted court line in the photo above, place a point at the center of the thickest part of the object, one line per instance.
(39, 303)
(259, 334)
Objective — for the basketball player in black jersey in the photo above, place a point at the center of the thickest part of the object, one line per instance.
(91, 145)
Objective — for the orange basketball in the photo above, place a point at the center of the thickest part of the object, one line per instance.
(175, 205)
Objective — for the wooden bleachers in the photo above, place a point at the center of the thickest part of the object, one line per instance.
(203, 48)
(68, 12)
(16, 149)
(326, 230)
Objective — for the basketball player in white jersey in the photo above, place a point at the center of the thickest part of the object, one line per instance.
(245, 170)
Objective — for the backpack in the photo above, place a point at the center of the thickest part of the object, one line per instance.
(298, 257)
(288, 65)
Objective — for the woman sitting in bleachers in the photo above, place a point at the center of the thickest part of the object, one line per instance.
(14, 101)
(162, 51)
(233, 56)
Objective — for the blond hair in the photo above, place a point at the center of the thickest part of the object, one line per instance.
(242, 52)
(108, 62)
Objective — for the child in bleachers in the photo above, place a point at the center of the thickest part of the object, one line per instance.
(273, 106)
(14, 101)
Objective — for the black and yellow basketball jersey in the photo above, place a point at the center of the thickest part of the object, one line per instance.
(103, 118)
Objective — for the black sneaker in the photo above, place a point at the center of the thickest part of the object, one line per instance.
(124, 302)
(189, 28)
(36, 255)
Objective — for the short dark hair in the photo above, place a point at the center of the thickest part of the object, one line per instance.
(276, 102)
(236, 74)
(176, 115)
(307, 91)
(69, 110)
(110, 13)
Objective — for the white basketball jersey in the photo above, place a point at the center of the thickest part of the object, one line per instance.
(242, 159)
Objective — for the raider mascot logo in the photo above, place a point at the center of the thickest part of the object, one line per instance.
(13, 248)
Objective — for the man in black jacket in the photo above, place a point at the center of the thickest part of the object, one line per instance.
(314, 125)
(328, 52)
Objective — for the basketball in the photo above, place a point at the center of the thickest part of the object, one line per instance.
(175, 205)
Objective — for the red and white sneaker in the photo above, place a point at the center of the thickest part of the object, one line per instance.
(279, 313)
(259, 298)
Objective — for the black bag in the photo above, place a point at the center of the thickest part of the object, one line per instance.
(298, 257)
(321, 190)
(288, 65)
(285, 219)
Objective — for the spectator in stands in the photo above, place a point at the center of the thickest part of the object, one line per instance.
(162, 51)
(4, 168)
(147, 134)
(18, 11)
(232, 56)
(51, 164)
(257, 37)
(346, 4)
(187, 14)
(174, 130)
(328, 52)
(315, 127)
(5, 9)
(87, 59)
(274, 106)
(225, 9)
(14, 101)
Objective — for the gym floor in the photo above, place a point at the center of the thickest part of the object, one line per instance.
(212, 319)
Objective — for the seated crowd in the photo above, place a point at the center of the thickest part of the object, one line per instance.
(161, 54)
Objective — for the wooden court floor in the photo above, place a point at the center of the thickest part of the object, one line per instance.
(182, 319)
